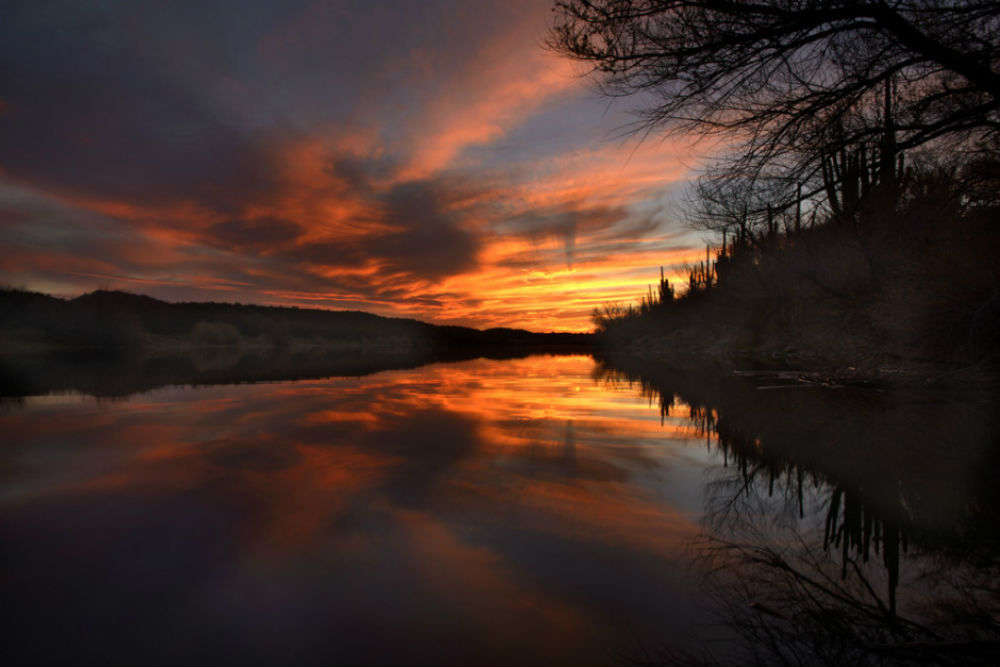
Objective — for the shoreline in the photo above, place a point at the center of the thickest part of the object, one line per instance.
(805, 368)
(120, 372)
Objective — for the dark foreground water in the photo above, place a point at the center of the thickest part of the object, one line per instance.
(526, 511)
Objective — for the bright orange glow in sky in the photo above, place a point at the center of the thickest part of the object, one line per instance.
(436, 164)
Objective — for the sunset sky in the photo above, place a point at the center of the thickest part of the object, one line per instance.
(418, 159)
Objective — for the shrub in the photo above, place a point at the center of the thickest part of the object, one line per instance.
(215, 333)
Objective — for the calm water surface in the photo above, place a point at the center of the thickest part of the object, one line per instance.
(528, 511)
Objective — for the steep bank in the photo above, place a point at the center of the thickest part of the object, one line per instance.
(914, 293)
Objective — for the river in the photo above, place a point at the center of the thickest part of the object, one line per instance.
(540, 510)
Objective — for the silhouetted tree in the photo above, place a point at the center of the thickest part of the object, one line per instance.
(798, 80)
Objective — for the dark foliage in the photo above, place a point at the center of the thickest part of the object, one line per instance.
(900, 280)
(795, 81)
(120, 320)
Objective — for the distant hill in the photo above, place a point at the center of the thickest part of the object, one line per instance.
(35, 322)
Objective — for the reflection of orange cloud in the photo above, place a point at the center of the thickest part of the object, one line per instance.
(305, 498)
(460, 571)
(600, 512)
(315, 486)
(301, 465)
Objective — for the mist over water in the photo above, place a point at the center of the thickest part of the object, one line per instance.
(521, 511)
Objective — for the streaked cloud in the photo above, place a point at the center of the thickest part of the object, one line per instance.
(435, 164)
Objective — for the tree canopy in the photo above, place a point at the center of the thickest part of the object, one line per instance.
(794, 82)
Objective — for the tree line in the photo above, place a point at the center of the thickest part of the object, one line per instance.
(817, 100)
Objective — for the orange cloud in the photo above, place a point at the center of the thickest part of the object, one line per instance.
(501, 100)
(409, 223)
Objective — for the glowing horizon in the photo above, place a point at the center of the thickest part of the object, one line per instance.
(442, 166)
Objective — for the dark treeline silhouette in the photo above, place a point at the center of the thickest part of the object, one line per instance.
(797, 84)
(855, 204)
(846, 526)
(109, 320)
(889, 285)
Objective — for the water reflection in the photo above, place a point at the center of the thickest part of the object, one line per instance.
(845, 527)
(481, 512)
(525, 511)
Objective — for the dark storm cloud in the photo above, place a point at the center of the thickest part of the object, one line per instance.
(565, 218)
(427, 241)
(90, 110)
(344, 153)
(359, 174)
(431, 243)
(566, 222)
(426, 237)
(328, 253)
(114, 102)
(164, 101)
(255, 234)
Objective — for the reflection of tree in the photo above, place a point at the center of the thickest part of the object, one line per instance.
(813, 565)
(850, 527)
(802, 592)
(793, 604)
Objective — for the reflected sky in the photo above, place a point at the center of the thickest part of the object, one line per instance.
(487, 511)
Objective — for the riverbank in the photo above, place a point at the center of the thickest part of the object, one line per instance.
(731, 354)
(906, 293)
(35, 323)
